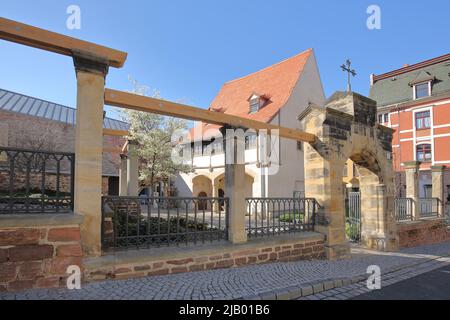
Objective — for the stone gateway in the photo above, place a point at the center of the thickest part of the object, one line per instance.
(346, 128)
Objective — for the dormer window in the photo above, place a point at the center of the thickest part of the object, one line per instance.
(255, 103)
(422, 90)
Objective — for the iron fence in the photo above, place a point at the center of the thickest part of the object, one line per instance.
(146, 222)
(298, 194)
(353, 216)
(36, 181)
(428, 207)
(403, 209)
(273, 216)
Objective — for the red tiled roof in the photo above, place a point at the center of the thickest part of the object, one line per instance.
(275, 82)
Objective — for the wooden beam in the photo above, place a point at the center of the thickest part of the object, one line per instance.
(115, 133)
(125, 147)
(46, 40)
(168, 108)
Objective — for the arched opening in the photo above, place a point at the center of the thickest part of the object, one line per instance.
(219, 186)
(202, 188)
(347, 129)
(221, 195)
(362, 199)
(202, 204)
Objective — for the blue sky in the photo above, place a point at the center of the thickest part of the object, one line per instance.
(188, 49)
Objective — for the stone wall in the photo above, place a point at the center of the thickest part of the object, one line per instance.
(38, 256)
(28, 131)
(423, 232)
(163, 261)
(35, 181)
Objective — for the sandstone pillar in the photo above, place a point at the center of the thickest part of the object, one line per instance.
(123, 184)
(412, 186)
(132, 170)
(323, 182)
(235, 185)
(437, 173)
(91, 72)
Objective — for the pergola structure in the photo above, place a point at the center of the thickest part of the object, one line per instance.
(92, 62)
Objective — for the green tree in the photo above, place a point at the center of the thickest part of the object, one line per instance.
(154, 133)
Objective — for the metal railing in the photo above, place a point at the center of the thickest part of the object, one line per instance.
(428, 207)
(353, 216)
(298, 194)
(35, 182)
(137, 222)
(273, 216)
(403, 209)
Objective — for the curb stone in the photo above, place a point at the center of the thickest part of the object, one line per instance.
(323, 286)
(328, 285)
(318, 288)
(296, 293)
(307, 291)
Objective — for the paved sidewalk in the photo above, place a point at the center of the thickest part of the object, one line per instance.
(270, 281)
(359, 290)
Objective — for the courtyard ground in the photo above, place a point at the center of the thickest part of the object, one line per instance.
(432, 285)
(311, 280)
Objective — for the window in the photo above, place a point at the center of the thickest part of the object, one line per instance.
(198, 148)
(254, 105)
(422, 90)
(428, 190)
(423, 152)
(299, 145)
(250, 141)
(383, 118)
(217, 147)
(423, 120)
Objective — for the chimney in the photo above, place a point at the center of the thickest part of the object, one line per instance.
(405, 65)
(371, 79)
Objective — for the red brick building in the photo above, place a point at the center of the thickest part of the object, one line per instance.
(415, 102)
(32, 123)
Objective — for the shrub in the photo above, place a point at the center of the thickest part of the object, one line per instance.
(154, 231)
(292, 217)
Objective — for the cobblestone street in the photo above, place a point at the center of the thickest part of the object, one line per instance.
(262, 281)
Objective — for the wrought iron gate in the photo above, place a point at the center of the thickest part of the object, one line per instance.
(353, 216)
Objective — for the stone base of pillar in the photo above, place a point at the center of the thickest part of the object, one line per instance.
(237, 237)
(337, 246)
(338, 252)
(380, 243)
